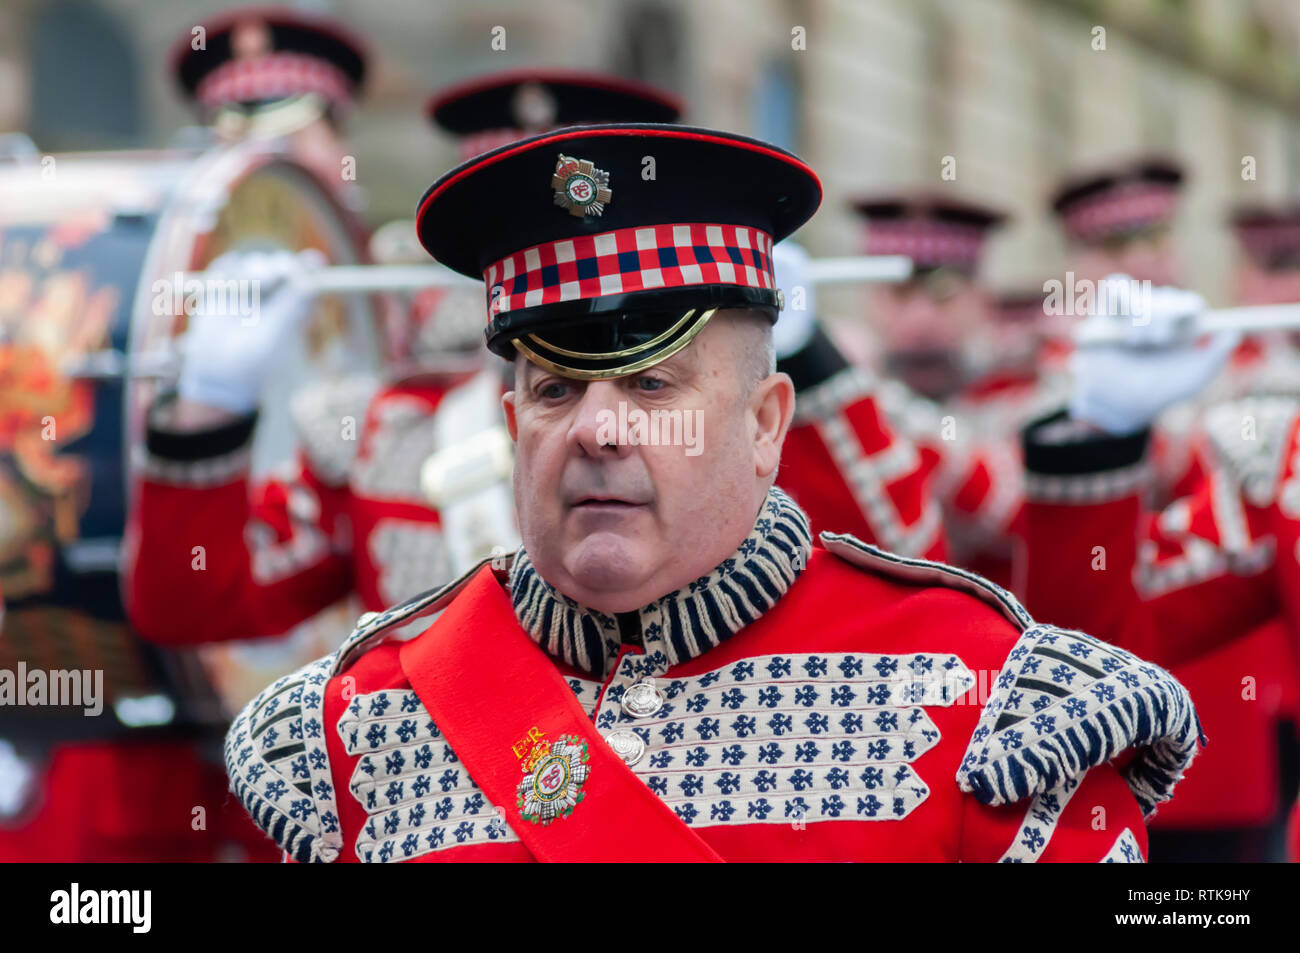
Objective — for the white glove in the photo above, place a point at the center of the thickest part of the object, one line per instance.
(239, 329)
(1124, 387)
(798, 320)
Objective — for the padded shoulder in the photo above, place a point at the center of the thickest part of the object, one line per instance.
(278, 765)
(923, 571)
(318, 411)
(1248, 439)
(1064, 703)
(374, 627)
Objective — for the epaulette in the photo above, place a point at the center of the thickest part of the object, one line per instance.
(318, 412)
(1066, 702)
(914, 416)
(275, 749)
(833, 394)
(1248, 438)
(923, 571)
(1063, 703)
(278, 765)
(373, 627)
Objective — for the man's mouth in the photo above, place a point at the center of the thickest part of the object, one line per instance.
(605, 502)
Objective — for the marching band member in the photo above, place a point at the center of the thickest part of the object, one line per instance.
(670, 667)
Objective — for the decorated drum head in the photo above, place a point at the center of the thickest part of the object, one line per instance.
(88, 245)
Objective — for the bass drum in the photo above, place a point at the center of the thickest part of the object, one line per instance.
(250, 197)
(91, 246)
(245, 198)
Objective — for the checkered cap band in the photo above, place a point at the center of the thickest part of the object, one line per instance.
(630, 259)
(1267, 240)
(1124, 208)
(274, 76)
(928, 242)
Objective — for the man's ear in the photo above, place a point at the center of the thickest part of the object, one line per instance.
(772, 404)
(508, 405)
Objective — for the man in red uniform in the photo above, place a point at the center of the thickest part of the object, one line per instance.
(151, 793)
(845, 464)
(669, 668)
(927, 328)
(1212, 568)
(1268, 238)
(1118, 219)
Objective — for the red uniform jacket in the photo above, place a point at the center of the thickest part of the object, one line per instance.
(1206, 586)
(350, 518)
(130, 801)
(846, 465)
(835, 703)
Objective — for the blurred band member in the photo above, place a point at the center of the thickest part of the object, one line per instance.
(927, 328)
(277, 72)
(356, 517)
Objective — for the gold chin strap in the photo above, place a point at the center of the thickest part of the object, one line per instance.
(621, 370)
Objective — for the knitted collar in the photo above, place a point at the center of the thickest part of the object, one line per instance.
(682, 624)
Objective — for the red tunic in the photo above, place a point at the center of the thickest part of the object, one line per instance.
(1206, 586)
(129, 802)
(847, 721)
(351, 518)
(845, 463)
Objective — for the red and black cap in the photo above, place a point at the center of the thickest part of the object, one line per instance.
(596, 269)
(1269, 235)
(493, 110)
(936, 231)
(1116, 203)
(256, 55)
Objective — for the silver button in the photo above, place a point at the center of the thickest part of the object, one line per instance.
(627, 744)
(643, 699)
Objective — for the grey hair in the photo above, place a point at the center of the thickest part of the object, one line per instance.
(758, 359)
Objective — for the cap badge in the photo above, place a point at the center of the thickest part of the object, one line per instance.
(580, 187)
(553, 778)
(250, 39)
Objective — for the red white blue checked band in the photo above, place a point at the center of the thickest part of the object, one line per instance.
(630, 259)
(1132, 205)
(274, 76)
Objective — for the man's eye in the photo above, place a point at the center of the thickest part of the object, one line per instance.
(553, 390)
(650, 383)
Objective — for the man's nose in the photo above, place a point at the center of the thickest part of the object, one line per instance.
(595, 428)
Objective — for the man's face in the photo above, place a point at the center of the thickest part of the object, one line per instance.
(924, 326)
(628, 489)
(1148, 256)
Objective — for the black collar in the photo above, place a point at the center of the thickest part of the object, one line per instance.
(682, 624)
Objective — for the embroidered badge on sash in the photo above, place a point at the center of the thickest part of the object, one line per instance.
(580, 187)
(554, 775)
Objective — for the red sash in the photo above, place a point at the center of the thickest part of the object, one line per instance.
(490, 688)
